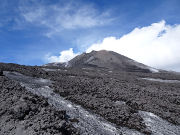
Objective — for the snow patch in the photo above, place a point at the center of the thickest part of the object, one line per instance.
(161, 80)
(120, 102)
(154, 70)
(90, 59)
(157, 125)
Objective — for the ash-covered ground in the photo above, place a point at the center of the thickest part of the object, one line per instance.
(116, 96)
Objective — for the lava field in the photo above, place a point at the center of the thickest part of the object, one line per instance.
(117, 97)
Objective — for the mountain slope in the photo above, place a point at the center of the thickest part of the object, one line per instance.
(121, 99)
(106, 60)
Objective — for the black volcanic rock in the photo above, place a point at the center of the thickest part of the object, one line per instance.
(98, 84)
(56, 64)
(1, 72)
(22, 113)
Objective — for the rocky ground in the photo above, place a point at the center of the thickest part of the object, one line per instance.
(22, 113)
(116, 96)
(119, 98)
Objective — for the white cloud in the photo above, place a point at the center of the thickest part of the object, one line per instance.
(64, 56)
(34, 16)
(157, 45)
(71, 15)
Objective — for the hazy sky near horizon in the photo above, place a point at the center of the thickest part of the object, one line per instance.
(35, 32)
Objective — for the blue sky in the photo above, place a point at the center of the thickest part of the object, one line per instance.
(32, 31)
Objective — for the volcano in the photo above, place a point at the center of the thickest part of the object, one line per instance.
(101, 92)
(107, 60)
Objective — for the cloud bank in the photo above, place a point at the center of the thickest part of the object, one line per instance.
(64, 56)
(157, 45)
